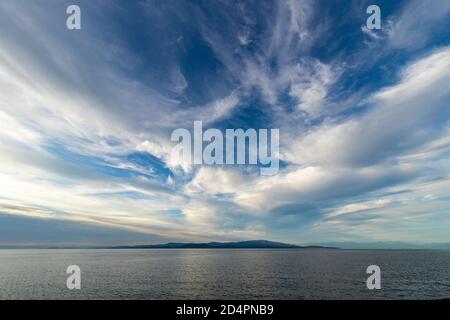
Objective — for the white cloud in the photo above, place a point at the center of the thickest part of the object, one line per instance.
(212, 181)
(57, 88)
(308, 185)
(371, 33)
(419, 20)
(403, 117)
(359, 206)
(311, 87)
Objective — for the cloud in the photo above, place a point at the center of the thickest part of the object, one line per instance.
(86, 120)
(371, 33)
(361, 155)
(216, 181)
(59, 232)
(418, 22)
(359, 207)
(318, 184)
(310, 88)
(402, 118)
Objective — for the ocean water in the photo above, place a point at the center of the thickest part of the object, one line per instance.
(224, 274)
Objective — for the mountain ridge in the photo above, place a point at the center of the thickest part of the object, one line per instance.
(253, 244)
(250, 244)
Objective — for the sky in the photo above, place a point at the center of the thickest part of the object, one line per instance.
(86, 118)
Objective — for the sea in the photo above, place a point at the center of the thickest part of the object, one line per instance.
(148, 274)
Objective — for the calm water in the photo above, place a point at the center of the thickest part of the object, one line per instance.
(224, 274)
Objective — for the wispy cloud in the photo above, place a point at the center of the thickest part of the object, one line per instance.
(86, 118)
(418, 23)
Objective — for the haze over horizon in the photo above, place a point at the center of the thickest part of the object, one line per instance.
(86, 117)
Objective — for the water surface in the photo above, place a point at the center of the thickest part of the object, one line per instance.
(224, 274)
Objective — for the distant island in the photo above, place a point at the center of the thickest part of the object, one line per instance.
(252, 244)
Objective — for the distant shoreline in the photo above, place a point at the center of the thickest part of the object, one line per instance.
(291, 249)
(252, 244)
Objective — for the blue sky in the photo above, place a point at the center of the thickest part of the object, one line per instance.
(86, 118)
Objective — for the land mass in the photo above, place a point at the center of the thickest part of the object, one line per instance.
(252, 244)
(385, 245)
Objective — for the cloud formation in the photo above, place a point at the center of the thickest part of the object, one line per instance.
(86, 118)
